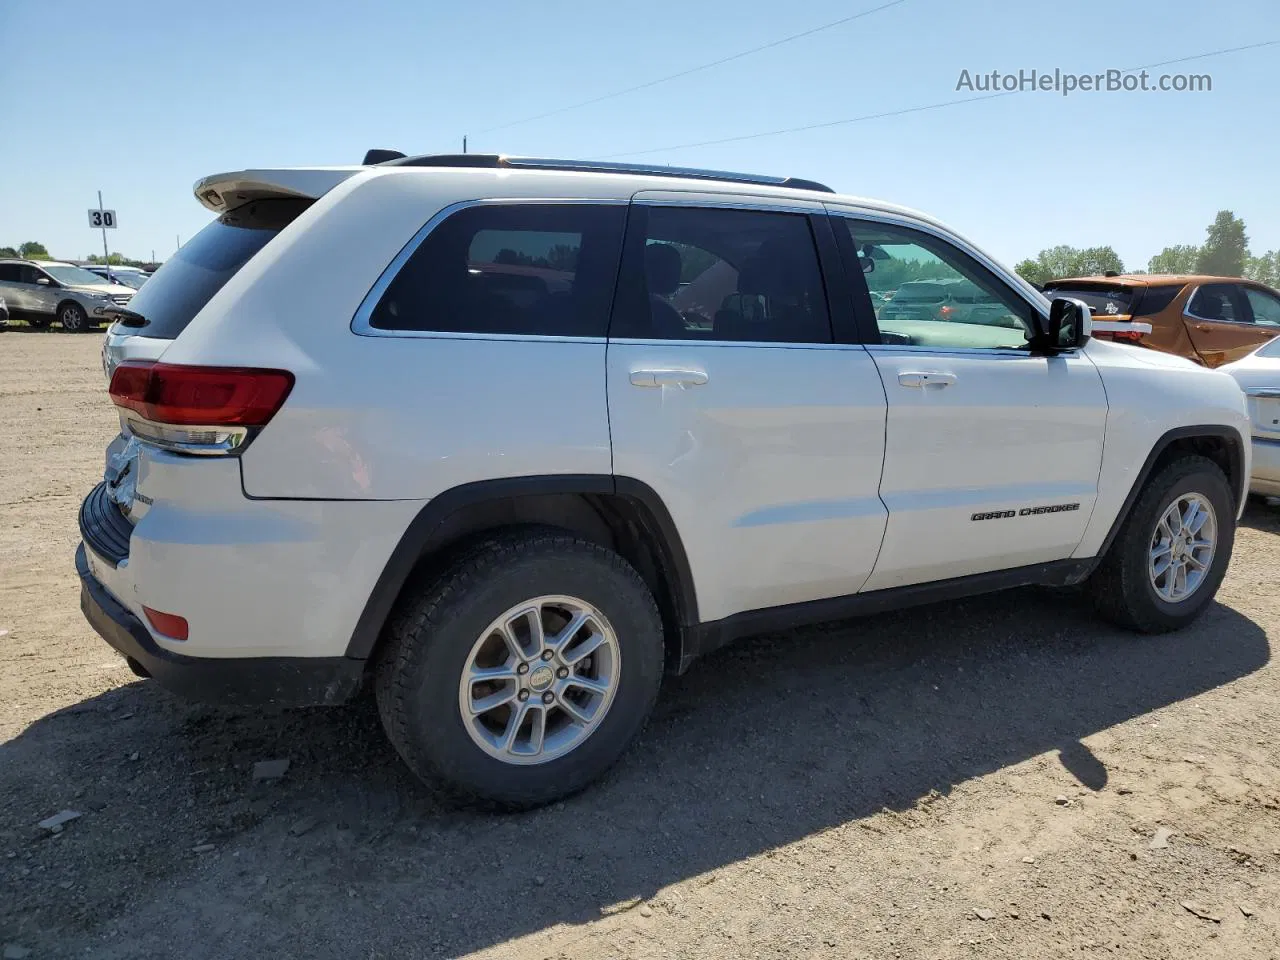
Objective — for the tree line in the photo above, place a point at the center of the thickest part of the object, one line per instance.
(1224, 253)
(34, 250)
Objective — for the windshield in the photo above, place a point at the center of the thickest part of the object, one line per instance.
(1271, 349)
(73, 276)
(128, 278)
(188, 280)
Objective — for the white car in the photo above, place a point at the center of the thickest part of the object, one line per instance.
(448, 425)
(1259, 377)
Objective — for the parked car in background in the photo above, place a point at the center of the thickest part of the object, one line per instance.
(40, 291)
(133, 277)
(952, 300)
(1259, 377)
(4, 315)
(1211, 320)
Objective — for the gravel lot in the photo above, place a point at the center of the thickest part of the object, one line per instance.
(979, 779)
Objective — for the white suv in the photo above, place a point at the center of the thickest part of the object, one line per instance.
(511, 437)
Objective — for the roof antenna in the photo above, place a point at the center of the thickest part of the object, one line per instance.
(464, 143)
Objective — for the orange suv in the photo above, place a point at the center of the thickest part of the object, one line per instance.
(1211, 320)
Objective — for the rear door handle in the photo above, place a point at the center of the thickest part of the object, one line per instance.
(1204, 328)
(668, 377)
(923, 380)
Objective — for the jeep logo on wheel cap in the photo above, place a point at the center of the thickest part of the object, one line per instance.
(541, 678)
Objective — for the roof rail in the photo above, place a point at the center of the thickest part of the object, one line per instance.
(494, 160)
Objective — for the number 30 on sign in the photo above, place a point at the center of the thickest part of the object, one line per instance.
(102, 218)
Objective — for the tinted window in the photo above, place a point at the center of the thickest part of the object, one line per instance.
(1266, 307)
(202, 266)
(925, 292)
(1214, 301)
(539, 268)
(10, 272)
(1101, 299)
(1155, 299)
(719, 274)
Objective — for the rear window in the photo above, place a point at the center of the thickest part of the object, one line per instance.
(189, 279)
(1103, 300)
(1155, 299)
(921, 293)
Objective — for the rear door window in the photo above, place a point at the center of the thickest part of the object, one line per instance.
(541, 269)
(1216, 301)
(203, 265)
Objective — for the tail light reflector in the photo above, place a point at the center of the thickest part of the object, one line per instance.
(202, 396)
(167, 624)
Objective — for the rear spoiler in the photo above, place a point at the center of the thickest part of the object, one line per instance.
(225, 191)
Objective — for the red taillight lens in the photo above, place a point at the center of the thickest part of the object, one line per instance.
(168, 624)
(204, 396)
(944, 313)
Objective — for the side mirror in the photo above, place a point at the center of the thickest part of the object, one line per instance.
(1069, 325)
(42, 281)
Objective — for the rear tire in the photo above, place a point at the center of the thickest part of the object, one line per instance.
(72, 317)
(446, 628)
(1128, 588)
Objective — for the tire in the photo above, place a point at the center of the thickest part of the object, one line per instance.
(72, 317)
(1122, 588)
(441, 623)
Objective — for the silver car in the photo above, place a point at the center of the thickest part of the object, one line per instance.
(41, 291)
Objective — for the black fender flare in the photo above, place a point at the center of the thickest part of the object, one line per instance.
(417, 537)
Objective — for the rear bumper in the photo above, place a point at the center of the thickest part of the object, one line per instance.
(1265, 478)
(285, 681)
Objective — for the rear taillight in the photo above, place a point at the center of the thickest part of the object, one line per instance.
(944, 313)
(197, 409)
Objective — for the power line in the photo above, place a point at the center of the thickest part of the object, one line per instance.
(809, 126)
(905, 110)
(691, 70)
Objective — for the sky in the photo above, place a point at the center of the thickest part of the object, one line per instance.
(140, 98)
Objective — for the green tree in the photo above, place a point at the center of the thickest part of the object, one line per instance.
(8, 252)
(1226, 247)
(1066, 261)
(1264, 269)
(1181, 258)
(34, 251)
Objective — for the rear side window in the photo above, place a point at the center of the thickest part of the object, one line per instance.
(1215, 301)
(1155, 299)
(202, 266)
(542, 269)
(747, 276)
(1105, 300)
(10, 273)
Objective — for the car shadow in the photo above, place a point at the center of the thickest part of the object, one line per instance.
(764, 743)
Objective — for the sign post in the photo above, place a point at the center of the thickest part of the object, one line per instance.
(106, 220)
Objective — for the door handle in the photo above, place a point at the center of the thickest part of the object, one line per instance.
(923, 380)
(1204, 328)
(668, 377)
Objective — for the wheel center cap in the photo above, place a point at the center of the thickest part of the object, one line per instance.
(541, 678)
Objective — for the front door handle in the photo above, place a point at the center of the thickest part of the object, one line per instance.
(923, 380)
(668, 377)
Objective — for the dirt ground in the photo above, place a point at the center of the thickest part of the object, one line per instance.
(979, 779)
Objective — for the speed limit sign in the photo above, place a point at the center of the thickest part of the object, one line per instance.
(105, 219)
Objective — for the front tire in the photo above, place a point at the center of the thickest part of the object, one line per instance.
(1171, 552)
(484, 687)
(73, 318)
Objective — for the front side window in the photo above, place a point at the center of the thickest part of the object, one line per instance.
(1266, 307)
(925, 292)
(1215, 301)
(537, 268)
(709, 273)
